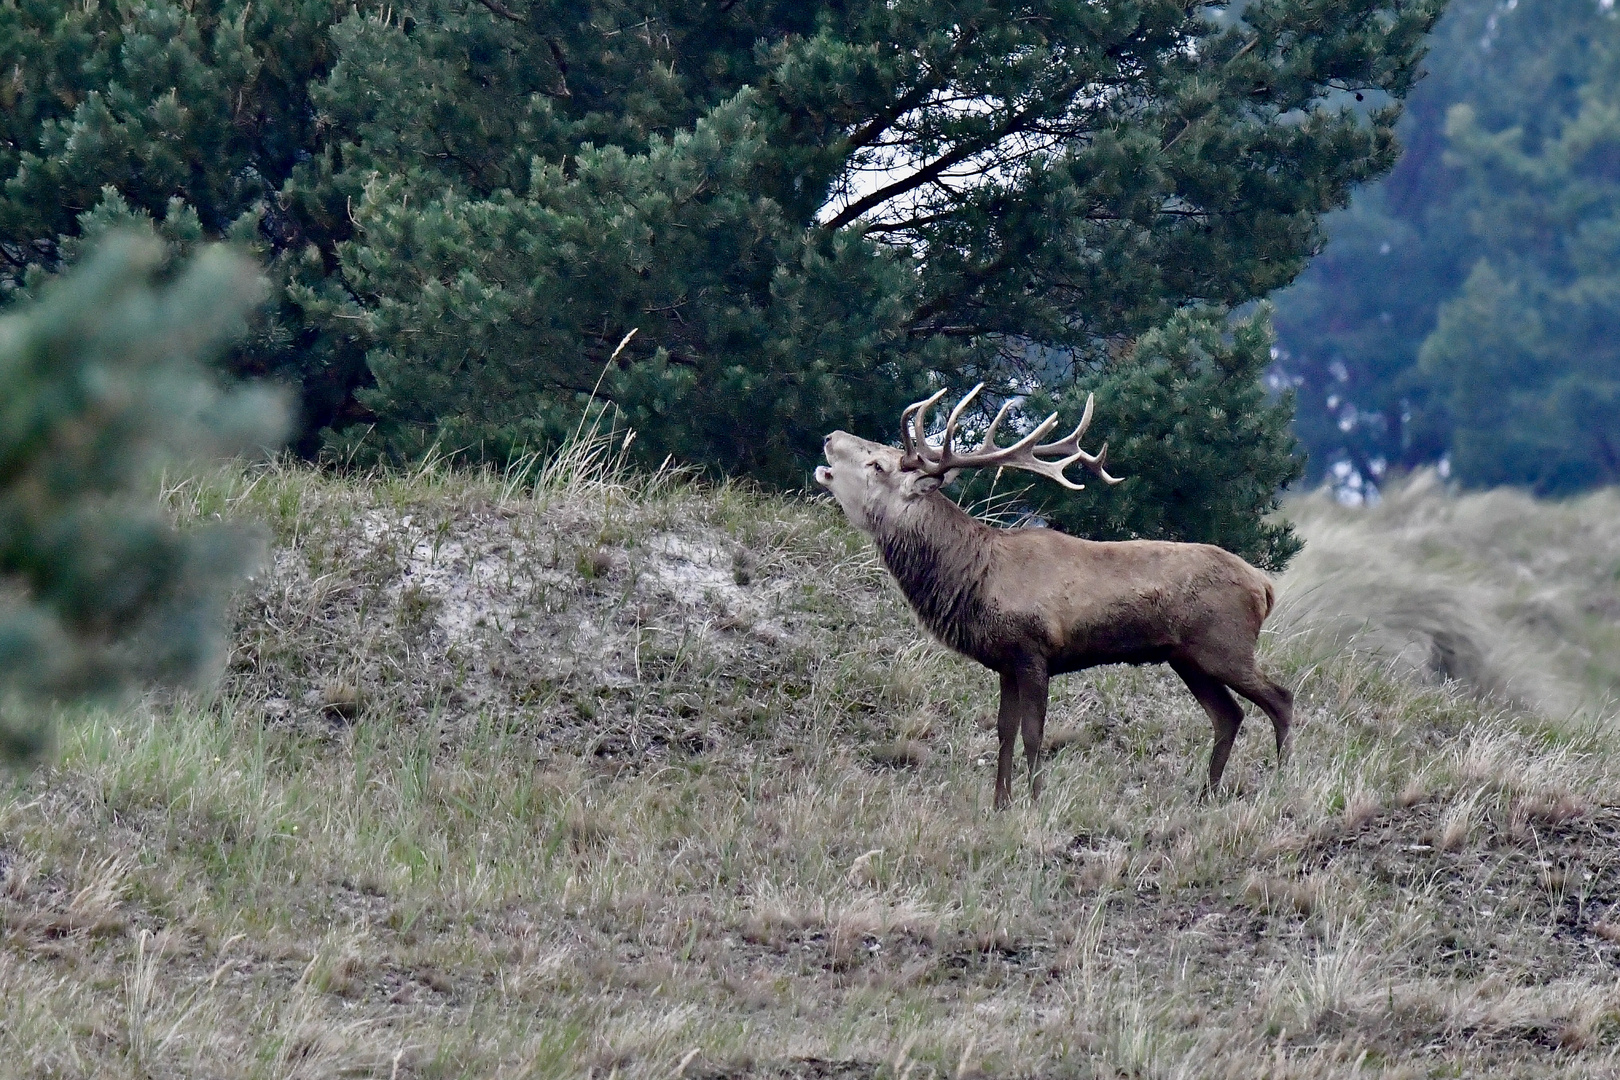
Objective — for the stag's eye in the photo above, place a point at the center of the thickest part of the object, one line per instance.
(874, 466)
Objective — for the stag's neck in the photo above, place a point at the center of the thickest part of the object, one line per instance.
(940, 558)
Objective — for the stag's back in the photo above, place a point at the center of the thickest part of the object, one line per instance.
(1134, 601)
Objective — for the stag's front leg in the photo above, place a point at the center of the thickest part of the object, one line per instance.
(1023, 709)
(1033, 689)
(1007, 724)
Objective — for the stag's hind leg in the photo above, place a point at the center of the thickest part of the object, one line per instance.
(1224, 712)
(1275, 700)
(1238, 670)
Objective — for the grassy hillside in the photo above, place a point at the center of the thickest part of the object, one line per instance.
(622, 776)
(1517, 596)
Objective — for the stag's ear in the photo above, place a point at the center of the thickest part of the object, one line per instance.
(925, 483)
(922, 484)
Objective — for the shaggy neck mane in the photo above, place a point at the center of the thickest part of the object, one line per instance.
(939, 556)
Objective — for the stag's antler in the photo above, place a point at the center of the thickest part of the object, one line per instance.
(1028, 453)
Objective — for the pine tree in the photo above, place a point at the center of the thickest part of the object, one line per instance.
(195, 117)
(1399, 263)
(810, 212)
(98, 590)
(837, 230)
(1200, 445)
(1525, 360)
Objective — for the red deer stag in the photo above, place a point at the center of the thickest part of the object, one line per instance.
(1033, 603)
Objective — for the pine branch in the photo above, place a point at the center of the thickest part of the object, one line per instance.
(503, 11)
(1015, 123)
(940, 75)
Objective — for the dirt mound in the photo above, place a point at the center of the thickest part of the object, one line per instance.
(624, 629)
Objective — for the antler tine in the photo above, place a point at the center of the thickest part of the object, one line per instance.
(1052, 470)
(1095, 464)
(1042, 430)
(1070, 447)
(989, 440)
(919, 410)
(906, 445)
(956, 414)
(1072, 443)
(920, 421)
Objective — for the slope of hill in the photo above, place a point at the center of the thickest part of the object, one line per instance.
(599, 774)
(1515, 595)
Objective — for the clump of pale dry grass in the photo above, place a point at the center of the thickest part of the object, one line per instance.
(1515, 597)
(575, 771)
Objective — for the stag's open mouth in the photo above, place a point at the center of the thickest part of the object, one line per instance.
(824, 476)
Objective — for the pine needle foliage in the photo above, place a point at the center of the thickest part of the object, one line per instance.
(102, 388)
(812, 213)
(1201, 445)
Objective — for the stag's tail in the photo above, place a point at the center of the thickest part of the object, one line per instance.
(1271, 600)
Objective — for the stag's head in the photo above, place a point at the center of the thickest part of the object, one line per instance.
(867, 479)
(872, 481)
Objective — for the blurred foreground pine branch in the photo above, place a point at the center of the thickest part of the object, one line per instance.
(101, 388)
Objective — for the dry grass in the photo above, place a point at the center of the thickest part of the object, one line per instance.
(1516, 597)
(609, 775)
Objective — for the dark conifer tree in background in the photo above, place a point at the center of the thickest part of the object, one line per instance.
(1465, 307)
(811, 212)
(193, 116)
(1523, 366)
